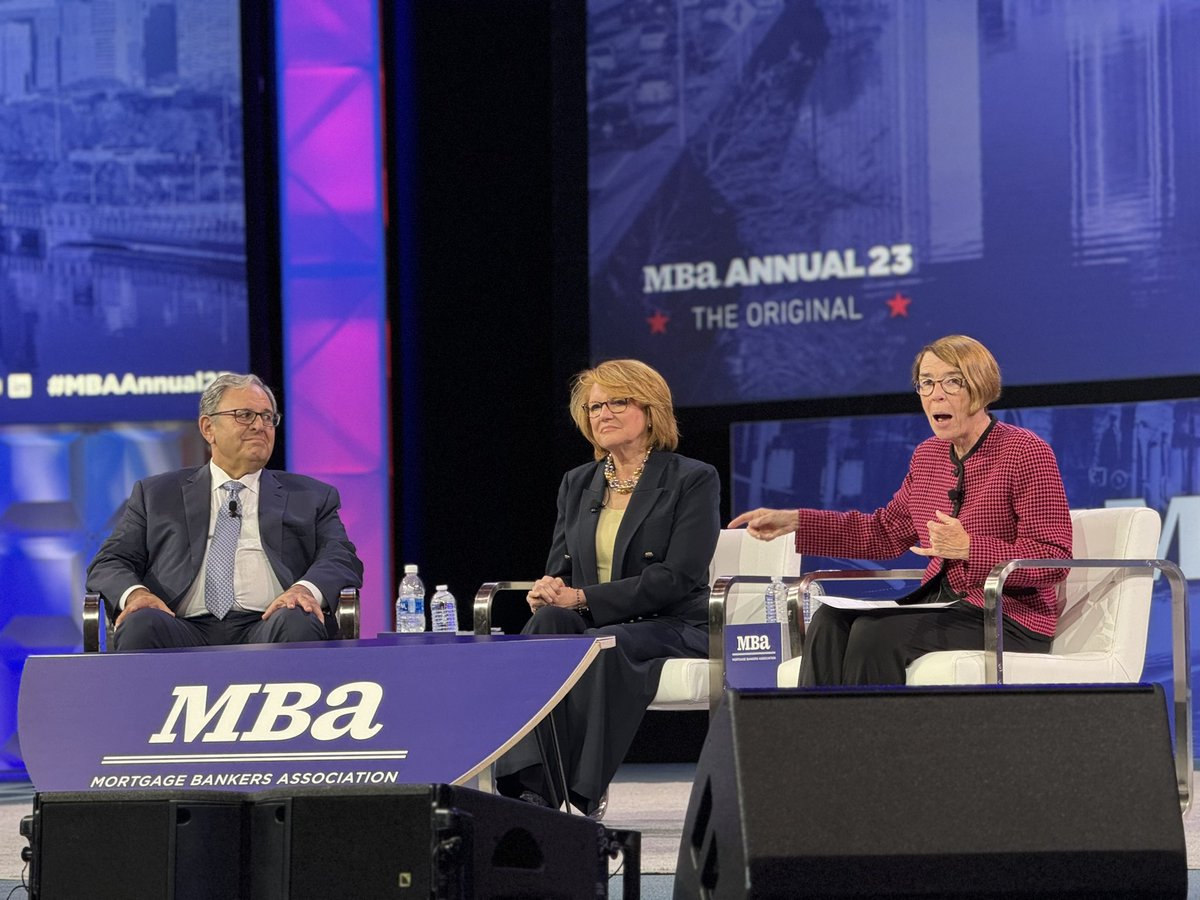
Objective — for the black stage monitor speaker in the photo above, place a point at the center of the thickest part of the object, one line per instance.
(420, 840)
(938, 792)
(148, 845)
(403, 841)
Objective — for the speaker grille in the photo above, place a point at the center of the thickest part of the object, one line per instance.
(940, 791)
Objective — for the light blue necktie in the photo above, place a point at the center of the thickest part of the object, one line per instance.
(218, 576)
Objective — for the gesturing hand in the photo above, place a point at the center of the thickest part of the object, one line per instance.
(947, 539)
(767, 524)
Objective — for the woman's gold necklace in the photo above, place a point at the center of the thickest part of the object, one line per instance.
(623, 485)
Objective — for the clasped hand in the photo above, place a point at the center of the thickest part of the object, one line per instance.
(947, 538)
(550, 590)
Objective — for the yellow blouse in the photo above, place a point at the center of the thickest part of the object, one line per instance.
(606, 540)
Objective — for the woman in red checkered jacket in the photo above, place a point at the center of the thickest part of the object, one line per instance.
(977, 493)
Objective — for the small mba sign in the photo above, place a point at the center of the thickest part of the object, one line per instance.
(753, 642)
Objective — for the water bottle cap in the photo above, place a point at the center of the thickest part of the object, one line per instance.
(440, 587)
(410, 569)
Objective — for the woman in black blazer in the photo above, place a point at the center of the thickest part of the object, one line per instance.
(635, 534)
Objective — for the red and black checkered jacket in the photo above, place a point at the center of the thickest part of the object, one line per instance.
(1013, 506)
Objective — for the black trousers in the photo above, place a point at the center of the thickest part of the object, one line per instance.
(598, 719)
(856, 647)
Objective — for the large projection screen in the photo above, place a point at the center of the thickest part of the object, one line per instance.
(788, 198)
(123, 281)
(122, 224)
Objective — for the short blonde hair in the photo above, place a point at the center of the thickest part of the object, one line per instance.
(641, 384)
(979, 368)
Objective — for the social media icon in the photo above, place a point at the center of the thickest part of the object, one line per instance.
(20, 385)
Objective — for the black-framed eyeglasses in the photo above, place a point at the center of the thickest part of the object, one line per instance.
(951, 384)
(246, 416)
(616, 406)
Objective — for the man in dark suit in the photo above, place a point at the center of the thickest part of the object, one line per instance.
(230, 552)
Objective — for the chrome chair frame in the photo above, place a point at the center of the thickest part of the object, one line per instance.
(717, 616)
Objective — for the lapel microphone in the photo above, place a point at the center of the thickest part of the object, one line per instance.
(233, 509)
(957, 493)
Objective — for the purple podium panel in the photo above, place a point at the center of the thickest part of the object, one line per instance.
(405, 708)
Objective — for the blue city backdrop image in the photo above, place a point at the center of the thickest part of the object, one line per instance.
(790, 197)
(1142, 453)
(122, 225)
(122, 281)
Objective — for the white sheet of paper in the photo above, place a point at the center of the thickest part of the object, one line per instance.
(852, 603)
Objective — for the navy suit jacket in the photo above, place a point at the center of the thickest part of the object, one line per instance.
(664, 545)
(159, 540)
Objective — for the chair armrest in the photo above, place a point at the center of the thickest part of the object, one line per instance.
(348, 614)
(810, 584)
(719, 610)
(95, 617)
(993, 641)
(486, 595)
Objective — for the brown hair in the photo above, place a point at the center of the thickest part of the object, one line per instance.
(979, 368)
(641, 384)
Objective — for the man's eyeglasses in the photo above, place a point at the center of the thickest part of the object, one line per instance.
(616, 406)
(951, 384)
(246, 416)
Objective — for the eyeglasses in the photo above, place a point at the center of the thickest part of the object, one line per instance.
(616, 406)
(246, 416)
(951, 384)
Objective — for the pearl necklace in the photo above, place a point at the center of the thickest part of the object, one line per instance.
(623, 486)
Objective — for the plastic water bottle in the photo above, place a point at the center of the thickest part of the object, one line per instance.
(410, 601)
(812, 600)
(443, 609)
(775, 600)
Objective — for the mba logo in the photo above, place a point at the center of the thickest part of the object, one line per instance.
(279, 712)
(753, 642)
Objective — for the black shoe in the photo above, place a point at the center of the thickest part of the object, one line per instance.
(597, 814)
(533, 797)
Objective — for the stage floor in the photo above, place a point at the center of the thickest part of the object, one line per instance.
(648, 798)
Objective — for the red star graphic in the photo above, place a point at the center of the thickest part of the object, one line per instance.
(658, 322)
(898, 305)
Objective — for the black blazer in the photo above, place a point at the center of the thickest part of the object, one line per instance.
(663, 548)
(160, 538)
